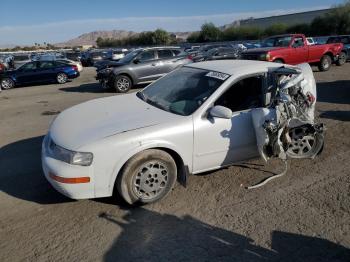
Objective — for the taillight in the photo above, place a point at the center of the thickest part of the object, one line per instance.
(75, 67)
(190, 57)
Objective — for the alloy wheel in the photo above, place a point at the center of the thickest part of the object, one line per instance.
(151, 180)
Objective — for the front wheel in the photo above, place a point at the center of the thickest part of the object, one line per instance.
(325, 63)
(122, 84)
(305, 143)
(147, 177)
(341, 59)
(279, 61)
(61, 78)
(7, 83)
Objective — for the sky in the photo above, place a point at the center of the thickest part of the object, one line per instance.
(24, 22)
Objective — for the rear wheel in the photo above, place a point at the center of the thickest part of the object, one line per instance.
(61, 78)
(325, 63)
(147, 177)
(7, 83)
(122, 84)
(341, 59)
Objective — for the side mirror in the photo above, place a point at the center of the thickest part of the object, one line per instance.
(136, 61)
(220, 112)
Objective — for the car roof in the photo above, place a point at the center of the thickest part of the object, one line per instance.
(235, 67)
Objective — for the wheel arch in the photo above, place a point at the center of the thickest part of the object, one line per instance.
(183, 169)
(122, 73)
(278, 58)
(330, 54)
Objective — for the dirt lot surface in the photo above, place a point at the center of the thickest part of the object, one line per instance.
(303, 216)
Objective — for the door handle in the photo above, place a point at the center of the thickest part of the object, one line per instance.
(154, 64)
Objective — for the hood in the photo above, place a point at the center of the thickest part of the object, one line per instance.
(96, 119)
(263, 49)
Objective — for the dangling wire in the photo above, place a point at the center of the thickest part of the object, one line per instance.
(266, 180)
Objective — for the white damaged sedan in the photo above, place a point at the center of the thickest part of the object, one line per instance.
(195, 119)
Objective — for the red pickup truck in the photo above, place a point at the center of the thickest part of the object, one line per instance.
(293, 49)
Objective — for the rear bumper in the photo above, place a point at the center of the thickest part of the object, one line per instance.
(74, 74)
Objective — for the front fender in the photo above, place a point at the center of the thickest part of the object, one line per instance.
(142, 147)
(124, 72)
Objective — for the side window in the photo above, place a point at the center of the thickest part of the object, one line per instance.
(176, 52)
(345, 40)
(243, 95)
(29, 66)
(46, 64)
(164, 54)
(298, 42)
(147, 55)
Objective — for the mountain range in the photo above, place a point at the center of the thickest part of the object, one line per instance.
(90, 38)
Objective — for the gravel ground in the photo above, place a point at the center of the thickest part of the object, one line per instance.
(303, 216)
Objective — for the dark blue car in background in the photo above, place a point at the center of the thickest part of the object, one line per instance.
(38, 72)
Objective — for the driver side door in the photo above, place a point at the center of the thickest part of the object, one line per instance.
(145, 69)
(220, 142)
(28, 73)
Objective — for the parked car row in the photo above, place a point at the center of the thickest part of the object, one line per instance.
(91, 57)
(148, 64)
(141, 66)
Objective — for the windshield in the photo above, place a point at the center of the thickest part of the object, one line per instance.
(183, 91)
(129, 57)
(280, 41)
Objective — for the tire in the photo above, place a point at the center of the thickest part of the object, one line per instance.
(341, 59)
(122, 84)
(61, 78)
(305, 143)
(279, 61)
(7, 83)
(147, 177)
(325, 63)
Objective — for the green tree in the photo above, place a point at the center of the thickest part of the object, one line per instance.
(161, 37)
(275, 29)
(209, 33)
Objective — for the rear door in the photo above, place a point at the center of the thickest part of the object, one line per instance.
(166, 61)
(47, 70)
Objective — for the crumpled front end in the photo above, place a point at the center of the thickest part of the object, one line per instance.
(286, 128)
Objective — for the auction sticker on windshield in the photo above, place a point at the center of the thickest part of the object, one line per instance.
(218, 75)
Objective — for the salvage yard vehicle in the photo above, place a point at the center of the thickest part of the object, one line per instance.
(38, 72)
(200, 117)
(21, 59)
(293, 49)
(345, 53)
(220, 53)
(142, 66)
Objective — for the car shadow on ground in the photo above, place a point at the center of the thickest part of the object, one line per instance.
(86, 88)
(337, 92)
(336, 115)
(21, 174)
(150, 236)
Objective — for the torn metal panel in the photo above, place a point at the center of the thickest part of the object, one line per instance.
(286, 128)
